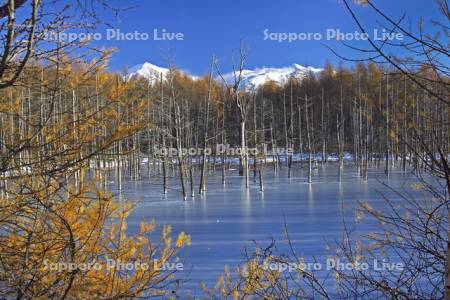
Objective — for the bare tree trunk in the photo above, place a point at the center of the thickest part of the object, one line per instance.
(405, 127)
(244, 156)
(202, 186)
(261, 183)
(300, 137)
(386, 170)
(291, 133)
(180, 157)
(224, 156)
(255, 142)
(191, 179)
(286, 139)
(323, 129)
(163, 137)
(273, 142)
(309, 141)
(341, 140)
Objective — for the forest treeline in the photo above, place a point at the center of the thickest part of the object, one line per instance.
(368, 111)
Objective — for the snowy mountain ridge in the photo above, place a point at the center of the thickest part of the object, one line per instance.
(250, 78)
(259, 76)
(148, 71)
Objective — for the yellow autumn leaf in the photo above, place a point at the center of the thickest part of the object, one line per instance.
(147, 227)
(183, 240)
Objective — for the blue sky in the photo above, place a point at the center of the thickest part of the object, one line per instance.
(217, 26)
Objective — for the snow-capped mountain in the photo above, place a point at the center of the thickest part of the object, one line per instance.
(259, 76)
(152, 72)
(148, 71)
(250, 78)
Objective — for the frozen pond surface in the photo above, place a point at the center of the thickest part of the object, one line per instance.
(229, 217)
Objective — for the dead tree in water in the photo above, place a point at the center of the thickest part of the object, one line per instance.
(322, 128)
(178, 130)
(273, 142)
(163, 131)
(202, 187)
(255, 140)
(300, 137)
(308, 133)
(261, 182)
(340, 131)
(291, 131)
(387, 154)
(286, 138)
(242, 102)
(223, 140)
